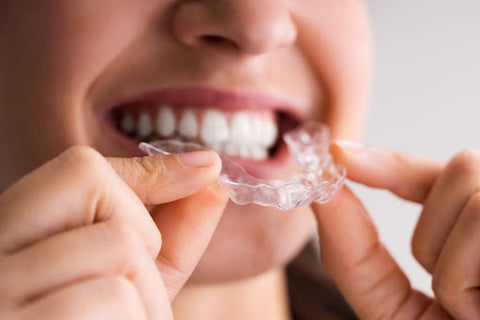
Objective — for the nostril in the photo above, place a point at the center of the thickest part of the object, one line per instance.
(245, 26)
(218, 41)
(213, 39)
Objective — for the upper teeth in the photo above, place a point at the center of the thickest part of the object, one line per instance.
(165, 122)
(188, 126)
(247, 134)
(144, 125)
(128, 124)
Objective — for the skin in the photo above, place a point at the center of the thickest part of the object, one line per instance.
(73, 62)
(73, 57)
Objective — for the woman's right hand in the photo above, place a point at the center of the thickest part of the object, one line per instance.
(77, 242)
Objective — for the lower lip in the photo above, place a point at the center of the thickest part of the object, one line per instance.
(267, 169)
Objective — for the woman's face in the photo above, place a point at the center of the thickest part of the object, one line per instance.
(109, 73)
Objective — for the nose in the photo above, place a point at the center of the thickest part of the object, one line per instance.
(249, 26)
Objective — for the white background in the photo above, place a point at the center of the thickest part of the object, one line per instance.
(425, 99)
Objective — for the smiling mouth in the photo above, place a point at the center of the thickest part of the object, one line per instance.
(238, 126)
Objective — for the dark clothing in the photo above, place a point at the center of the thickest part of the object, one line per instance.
(312, 294)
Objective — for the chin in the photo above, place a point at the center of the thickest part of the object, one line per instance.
(251, 240)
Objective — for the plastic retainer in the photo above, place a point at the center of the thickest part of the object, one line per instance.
(319, 181)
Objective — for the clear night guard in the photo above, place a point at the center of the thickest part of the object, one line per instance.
(320, 179)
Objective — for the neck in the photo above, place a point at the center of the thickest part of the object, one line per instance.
(261, 297)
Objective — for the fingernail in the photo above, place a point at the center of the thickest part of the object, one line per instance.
(197, 159)
(350, 145)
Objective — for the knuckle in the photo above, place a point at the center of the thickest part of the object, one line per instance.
(152, 171)
(86, 161)
(470, 213)
(83, 154)
(129, 246)
(155, 242)
(468, 154)
(118, 286)
(151, 168)
(123, 293)
(465, 164)
(473, 205)
(130, 250)
(445, 289)
(401, 160)
(127, 238)
(152, 165)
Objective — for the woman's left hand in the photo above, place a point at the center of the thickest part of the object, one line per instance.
(446, 241)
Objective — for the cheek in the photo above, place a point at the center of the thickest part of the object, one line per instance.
(335, 37)
(64, 44)
(50, 53)
(292, 71)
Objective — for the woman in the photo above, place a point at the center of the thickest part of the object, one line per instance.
(77, 240)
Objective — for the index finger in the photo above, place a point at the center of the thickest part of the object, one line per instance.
(80, 187)
(408, 176)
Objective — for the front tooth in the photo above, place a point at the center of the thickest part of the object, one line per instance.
(234, 149)
(244, 151)
(127, 124)
(231, 149)
(165, 122)
(214, 145)
(257, 130)
(240, 128)
(188, 126)
(259, 153)
(269, 133)
(214, 129)
(144, 126)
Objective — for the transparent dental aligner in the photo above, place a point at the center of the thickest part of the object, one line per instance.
(320, 180)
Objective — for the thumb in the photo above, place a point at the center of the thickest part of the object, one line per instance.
(364, 271)
(165, 178)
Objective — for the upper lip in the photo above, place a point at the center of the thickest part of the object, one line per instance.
(205, 97)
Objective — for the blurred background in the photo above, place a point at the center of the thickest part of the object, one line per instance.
(425, 99)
